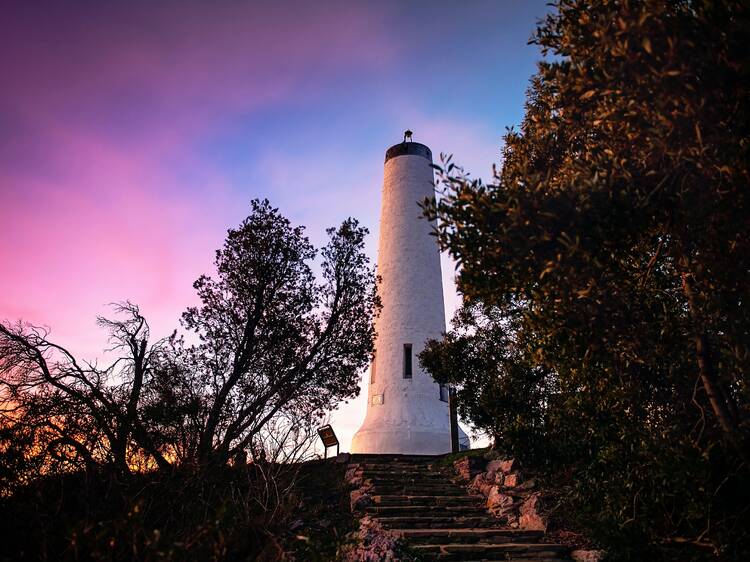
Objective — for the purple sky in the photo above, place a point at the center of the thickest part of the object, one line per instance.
(133, 134)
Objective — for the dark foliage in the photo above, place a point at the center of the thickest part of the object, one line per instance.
(258, 512)
(321, 518)
(606, 275)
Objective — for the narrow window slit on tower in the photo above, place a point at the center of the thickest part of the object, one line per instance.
(407, 360)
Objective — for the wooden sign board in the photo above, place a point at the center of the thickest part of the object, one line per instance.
(329, 438)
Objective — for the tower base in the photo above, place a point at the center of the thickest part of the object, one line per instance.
(401, 441)
(405, 441)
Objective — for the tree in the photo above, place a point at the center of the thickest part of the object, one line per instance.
(500, 388)
(615, 236)
(78, 415)
(272, 340)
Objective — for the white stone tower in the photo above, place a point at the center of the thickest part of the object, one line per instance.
(407, 411)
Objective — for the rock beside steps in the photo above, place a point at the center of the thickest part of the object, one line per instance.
(438, 518)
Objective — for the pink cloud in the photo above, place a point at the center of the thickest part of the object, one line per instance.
(108, 226)
(184, 63)
(106, 104)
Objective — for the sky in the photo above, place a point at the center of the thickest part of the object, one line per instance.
(134, 134)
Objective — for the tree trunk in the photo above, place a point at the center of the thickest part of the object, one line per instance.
(716, 397)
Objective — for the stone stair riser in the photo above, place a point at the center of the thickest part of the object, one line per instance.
(395, 467)
(413, 491)
(506, 557)
(476, 501)
(412, 478)
(471, 536)
(426, 510)
(437, 522)
(490, 551)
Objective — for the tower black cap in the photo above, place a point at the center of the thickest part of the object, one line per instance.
(403, 148)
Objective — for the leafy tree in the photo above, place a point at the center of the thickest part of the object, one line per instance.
(271, 338)
(612, 246)
(500, 388)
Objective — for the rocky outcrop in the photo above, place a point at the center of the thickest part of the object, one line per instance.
(519, 502)
(468, 467)
(587, 555)
(372, 543)
(530, 514)
(359, 496)
(508, 495)
(359, 500)
(353, 476)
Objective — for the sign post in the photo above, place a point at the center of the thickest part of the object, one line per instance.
(454, 419)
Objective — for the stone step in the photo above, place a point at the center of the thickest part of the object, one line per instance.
(438, 522)
(469, 536)
(435, 480)
(398, 466)
(507, 551)
(434, 484)
(426, 510)
(401, 499)
(381, 472)
(434, 487)
(387, 475)
(507, 556)
(415, 490)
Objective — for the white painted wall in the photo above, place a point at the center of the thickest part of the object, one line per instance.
(412, 419)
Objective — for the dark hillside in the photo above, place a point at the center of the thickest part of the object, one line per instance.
(232, 513)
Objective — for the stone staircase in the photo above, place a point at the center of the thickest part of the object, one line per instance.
(427, 505)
